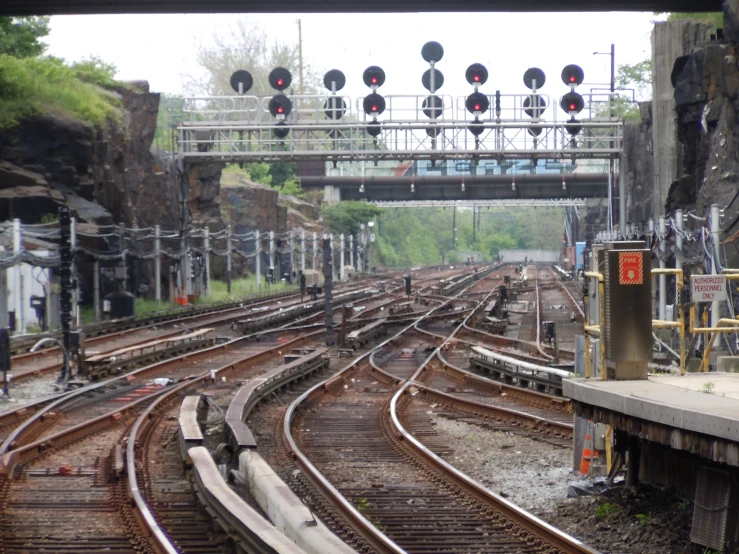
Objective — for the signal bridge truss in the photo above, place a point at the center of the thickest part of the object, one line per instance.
(240, 128)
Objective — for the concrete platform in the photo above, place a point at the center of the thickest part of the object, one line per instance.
(669, 410)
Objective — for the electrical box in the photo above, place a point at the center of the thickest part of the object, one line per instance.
(626, 268)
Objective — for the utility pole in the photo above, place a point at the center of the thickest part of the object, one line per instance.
(300, 54)
(454, 228)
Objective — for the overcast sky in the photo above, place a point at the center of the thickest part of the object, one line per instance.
(161, 48)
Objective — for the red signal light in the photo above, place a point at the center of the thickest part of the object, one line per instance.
(280, 109)
(374, 80)
(573, 107)
(476, 78)
(374, 108)
(477, 107)
(573, 79)
(279, 82)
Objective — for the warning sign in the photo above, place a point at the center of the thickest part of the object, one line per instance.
(708, 288)
(630, 268)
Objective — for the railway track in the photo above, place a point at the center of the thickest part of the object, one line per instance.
(87, 453)
(406, 499)
(405, 491)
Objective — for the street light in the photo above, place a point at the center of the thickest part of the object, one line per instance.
(611, 171)
(66, 369)
(612, 53)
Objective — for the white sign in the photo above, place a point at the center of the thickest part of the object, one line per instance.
(708, 288)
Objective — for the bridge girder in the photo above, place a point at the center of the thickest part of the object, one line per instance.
(70, 7)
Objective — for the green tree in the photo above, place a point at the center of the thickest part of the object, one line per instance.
(244, 45)
(346, 217)
(716, 19)
(19, 36)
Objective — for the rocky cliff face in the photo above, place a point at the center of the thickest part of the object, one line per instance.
(113, 175)
(707, 103)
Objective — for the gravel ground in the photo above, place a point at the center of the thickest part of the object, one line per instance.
(27, 392)
(530, 474)
(535, 476)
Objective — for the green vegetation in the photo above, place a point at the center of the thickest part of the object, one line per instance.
(272, 175)
(644, 519)
(424, 236)
(246, 286)
(363, 504)
(606, 509)
(716, 19)
(19, 36)
(707, 387)
(30, 86)
(346, 217)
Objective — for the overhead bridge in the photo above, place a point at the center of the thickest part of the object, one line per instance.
(59, 7)
(473, 190)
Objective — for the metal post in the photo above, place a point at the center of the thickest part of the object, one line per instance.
(327, 291)
(17, 300)
(315, 250)
(302, 251)
(272, 254)
(716, 235)
(157, 264)
(662, 265)
(679, 245)
(351, 251)
(333, 265)
(75, 281)
(121, 249)
(206, 255)
(341, 257)
(292, 255)
(228, 259)
(96, 290)
(258, 259)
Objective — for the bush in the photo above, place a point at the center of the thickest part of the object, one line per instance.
(32, 86)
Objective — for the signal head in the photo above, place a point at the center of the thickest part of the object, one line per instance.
(373, 104)
(438, 80)
(280, 78)
(476, 128)
(432, 51)
(574, 128)
(573, 75)
(572, 102)
(334, 76)
(243, 78)
(535, 130)
(534, 76)
(373, 76)
(280, 105)
(476, 74)
(281, 130)
(432, 106)
(334, 107)
(477, 103)
(534, 105)
(374, 129)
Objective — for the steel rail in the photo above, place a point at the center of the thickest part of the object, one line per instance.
(142, 511)
(522, 518)
(369, 532)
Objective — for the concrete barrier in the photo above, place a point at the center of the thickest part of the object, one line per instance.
(285, 510)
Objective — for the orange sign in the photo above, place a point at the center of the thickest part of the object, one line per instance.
(630, 268)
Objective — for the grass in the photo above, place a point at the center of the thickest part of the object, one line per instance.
(219, 292)
(246, 286)
(707, 387)
(32, 86)
(606, 509)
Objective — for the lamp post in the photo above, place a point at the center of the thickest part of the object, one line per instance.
(611, 163)
(370, 225)
(66, 369)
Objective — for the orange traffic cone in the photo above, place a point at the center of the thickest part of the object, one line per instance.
(587, 455)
